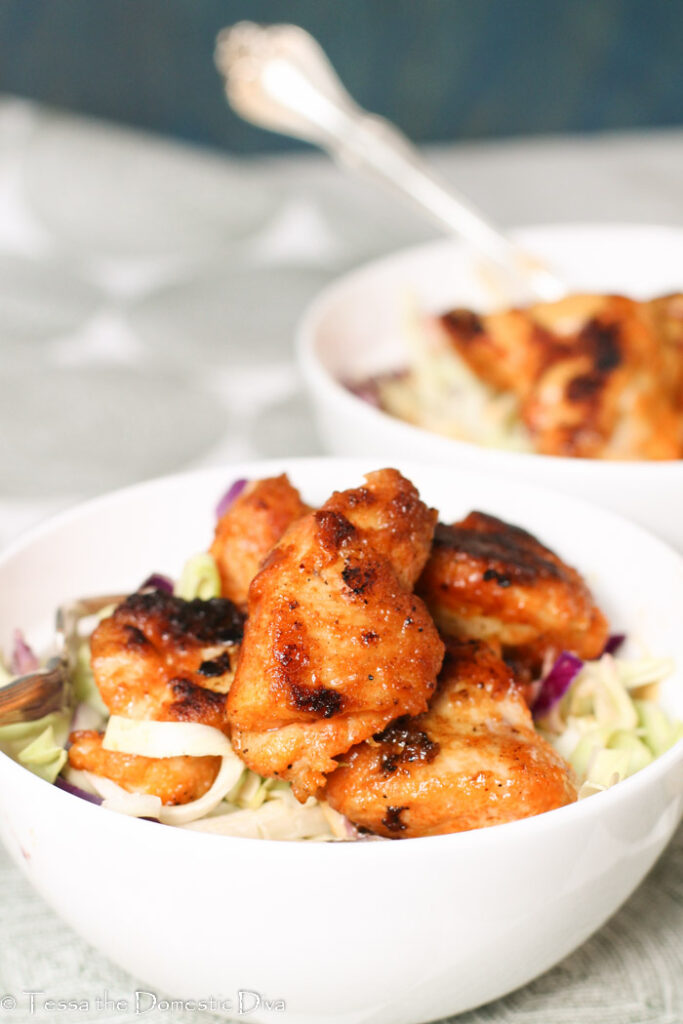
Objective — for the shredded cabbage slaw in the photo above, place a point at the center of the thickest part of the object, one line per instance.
(440, 393)
(607, 724)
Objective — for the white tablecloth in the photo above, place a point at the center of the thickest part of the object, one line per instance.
(147, 300)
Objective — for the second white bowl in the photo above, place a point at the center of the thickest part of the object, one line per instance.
(355, 328)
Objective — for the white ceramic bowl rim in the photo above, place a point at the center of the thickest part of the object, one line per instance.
(323, 379)
(535, 825)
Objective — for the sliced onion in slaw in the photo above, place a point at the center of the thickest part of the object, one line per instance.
(178, 739)
(281, 817)
(115, 798)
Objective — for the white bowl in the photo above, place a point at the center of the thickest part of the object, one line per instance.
(388, 932)
(354, 328)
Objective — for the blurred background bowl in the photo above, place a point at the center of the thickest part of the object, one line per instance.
(356, 328)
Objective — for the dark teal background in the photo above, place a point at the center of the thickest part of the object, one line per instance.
(443, 69)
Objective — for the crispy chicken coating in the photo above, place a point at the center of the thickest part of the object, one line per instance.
(472, 760)
(667, 321)
(335, 645)
(175, 780)
(390, 512)
(591, 372)
(251, 528)
(162, 658)
(487, 579)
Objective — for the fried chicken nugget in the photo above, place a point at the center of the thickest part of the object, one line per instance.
(336, 645)
(472, 760)
(250, 529)
(488, 579)
(591, 372)
(162, 658)
(175, 780)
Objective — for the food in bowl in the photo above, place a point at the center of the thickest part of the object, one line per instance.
(348, 671)
(427, 963)
(588, 376)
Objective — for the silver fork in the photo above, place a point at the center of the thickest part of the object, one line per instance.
(279, 78)
(48, 689)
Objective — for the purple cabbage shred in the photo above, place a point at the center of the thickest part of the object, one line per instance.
(23, 659)
(68, 787)
(367, 391)
(233, 492)
(557, 682)
(157, 581)
(614, 642)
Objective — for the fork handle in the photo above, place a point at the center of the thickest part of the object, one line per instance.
(33, 696)
(279, 78)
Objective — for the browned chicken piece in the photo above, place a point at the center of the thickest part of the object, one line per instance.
(162, 658)
(667, 320)
(399, 525)
(251, 528)
(175, 780)
(336, 645)
(472, 760)
(488, 579)
(590, 373)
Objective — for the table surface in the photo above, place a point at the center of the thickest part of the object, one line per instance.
(140, 280)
